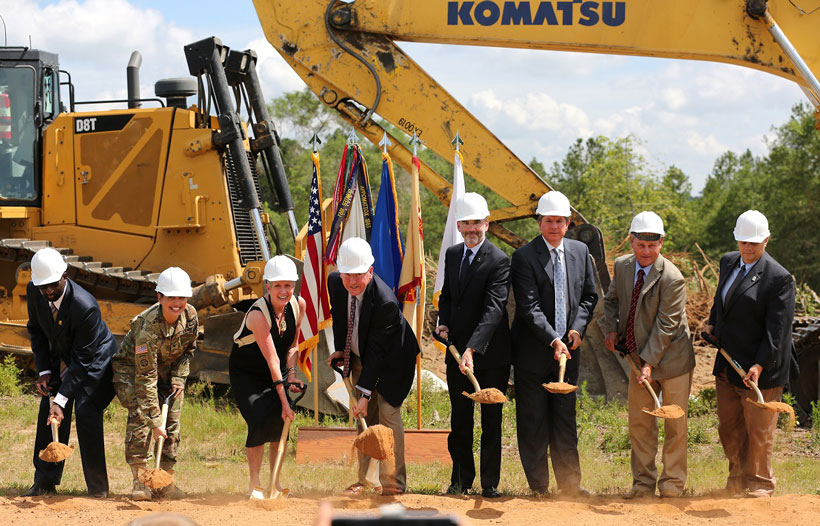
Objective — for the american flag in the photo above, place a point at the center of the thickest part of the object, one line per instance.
(314, 279)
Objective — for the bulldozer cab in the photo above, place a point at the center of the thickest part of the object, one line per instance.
(29, 99)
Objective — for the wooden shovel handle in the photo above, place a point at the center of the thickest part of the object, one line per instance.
(54, 427)
(354, 400)
(739, 370)
(637, 374)
(161, 440)
(562, 368)
(280, 455)
(468, 372)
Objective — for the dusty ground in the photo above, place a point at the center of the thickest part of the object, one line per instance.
(230, 510)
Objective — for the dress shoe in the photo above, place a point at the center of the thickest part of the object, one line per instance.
(759, 493)
(577, 493)
(98, 495)
(490, 493)
(455, 489)
(40, 490)
(635, 493)
(542, 493)
(670, 493)
(392, 491)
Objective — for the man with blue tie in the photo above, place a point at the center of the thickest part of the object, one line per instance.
(752, 319)
(554, 287)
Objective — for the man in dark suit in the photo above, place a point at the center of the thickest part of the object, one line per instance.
(72, 349)
(473, 315)
(554, 287)
(378, 349)
(752, 319)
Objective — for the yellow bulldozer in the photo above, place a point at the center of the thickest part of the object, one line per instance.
(125, 193)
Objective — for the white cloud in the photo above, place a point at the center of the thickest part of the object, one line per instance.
(675, 98)
(534, 112)
(707, 145)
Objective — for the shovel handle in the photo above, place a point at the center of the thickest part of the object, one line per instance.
(353, 398)
(453, 351)
(54, 427)
(161, 440)
(277, 466)
(628, 356)
(736, 366)
(562, 368)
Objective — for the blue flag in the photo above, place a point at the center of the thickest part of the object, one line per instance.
(385, 238)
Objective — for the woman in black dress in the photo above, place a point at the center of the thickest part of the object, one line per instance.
(265, 351)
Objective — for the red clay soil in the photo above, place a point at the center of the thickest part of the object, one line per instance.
(214, 510)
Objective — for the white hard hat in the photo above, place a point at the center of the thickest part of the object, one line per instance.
(47, 266)
(175, 283)
(471, 206)
(752, 226)
(647, 223)
(280, 268)
(553, 203)
(355, 256)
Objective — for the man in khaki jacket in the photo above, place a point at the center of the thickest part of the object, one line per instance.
(645, 308)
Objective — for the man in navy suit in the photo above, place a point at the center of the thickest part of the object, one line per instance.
(554, 287)
(379, 350)
(752, 319)
(473, 315)
(72, 349)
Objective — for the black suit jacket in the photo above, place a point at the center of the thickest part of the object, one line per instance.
(533, 327)
(755, 325)
(387, 344)
(79, 338)
(477, 316)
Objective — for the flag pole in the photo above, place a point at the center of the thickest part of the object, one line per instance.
(415, 142)
(316, 141)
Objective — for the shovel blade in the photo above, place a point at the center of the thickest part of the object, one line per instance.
(671, 412)
(560, 387)
(491, 395)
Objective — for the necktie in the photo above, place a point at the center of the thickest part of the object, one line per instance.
(54, 312)
(560, 295)
(349, 338)
(462, 273)
(735, 284)
(630, 322)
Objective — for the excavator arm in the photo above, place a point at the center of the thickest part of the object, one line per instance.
(346, 53)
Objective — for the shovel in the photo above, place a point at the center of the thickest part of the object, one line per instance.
(780, 407)
(491, 395)
(375, 441)
(667, 411)
(560, 387)
(158, 478)
(275, 490)
(56, 451)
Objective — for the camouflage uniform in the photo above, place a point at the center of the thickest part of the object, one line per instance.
(153, 357)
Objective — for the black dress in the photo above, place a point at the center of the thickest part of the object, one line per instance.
(252, 385)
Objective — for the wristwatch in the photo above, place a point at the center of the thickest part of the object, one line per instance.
(365, 396)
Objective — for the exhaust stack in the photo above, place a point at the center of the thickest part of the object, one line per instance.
(132, 73)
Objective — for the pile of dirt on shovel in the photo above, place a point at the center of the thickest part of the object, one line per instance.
(491, 395)
(56, 452)
(377, 442)
(156, 478)
(666, 411)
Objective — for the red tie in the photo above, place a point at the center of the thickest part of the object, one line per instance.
(630, 322)
(349, 339)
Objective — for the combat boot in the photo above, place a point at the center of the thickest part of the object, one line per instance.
(171, 492)
(139, 491)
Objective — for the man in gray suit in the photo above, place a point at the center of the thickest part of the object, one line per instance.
(645, 308)
(554, 286)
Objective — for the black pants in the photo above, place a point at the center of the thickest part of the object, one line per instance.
(89, 408)
(546, 424)
(460, 440)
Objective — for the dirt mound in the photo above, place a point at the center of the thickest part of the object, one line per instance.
(376, 442)
(491, 395)
(665, 411)
(156, 478)
(56, 452)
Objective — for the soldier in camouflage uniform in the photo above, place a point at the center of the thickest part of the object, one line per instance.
(153, 363)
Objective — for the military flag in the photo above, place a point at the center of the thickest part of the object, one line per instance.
(385, 239)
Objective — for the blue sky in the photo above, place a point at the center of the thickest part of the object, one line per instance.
(683, 113)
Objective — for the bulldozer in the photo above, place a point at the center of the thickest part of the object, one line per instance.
(346, 53)
(126, 193)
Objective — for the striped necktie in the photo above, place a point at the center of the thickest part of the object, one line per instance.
(560, 295)
(349, 338)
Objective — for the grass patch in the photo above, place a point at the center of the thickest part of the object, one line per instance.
(212, 453)
(10, 377)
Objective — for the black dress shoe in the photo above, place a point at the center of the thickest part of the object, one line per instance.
(40, 490)
(99, 495)
(490, 493)
(578, 493)
(455, 489)
(542, 493)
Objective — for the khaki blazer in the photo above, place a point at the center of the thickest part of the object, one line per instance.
(661, 330)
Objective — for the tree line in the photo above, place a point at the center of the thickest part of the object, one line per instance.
(607, 181)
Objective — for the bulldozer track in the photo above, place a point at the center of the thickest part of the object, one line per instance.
(97, 276)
